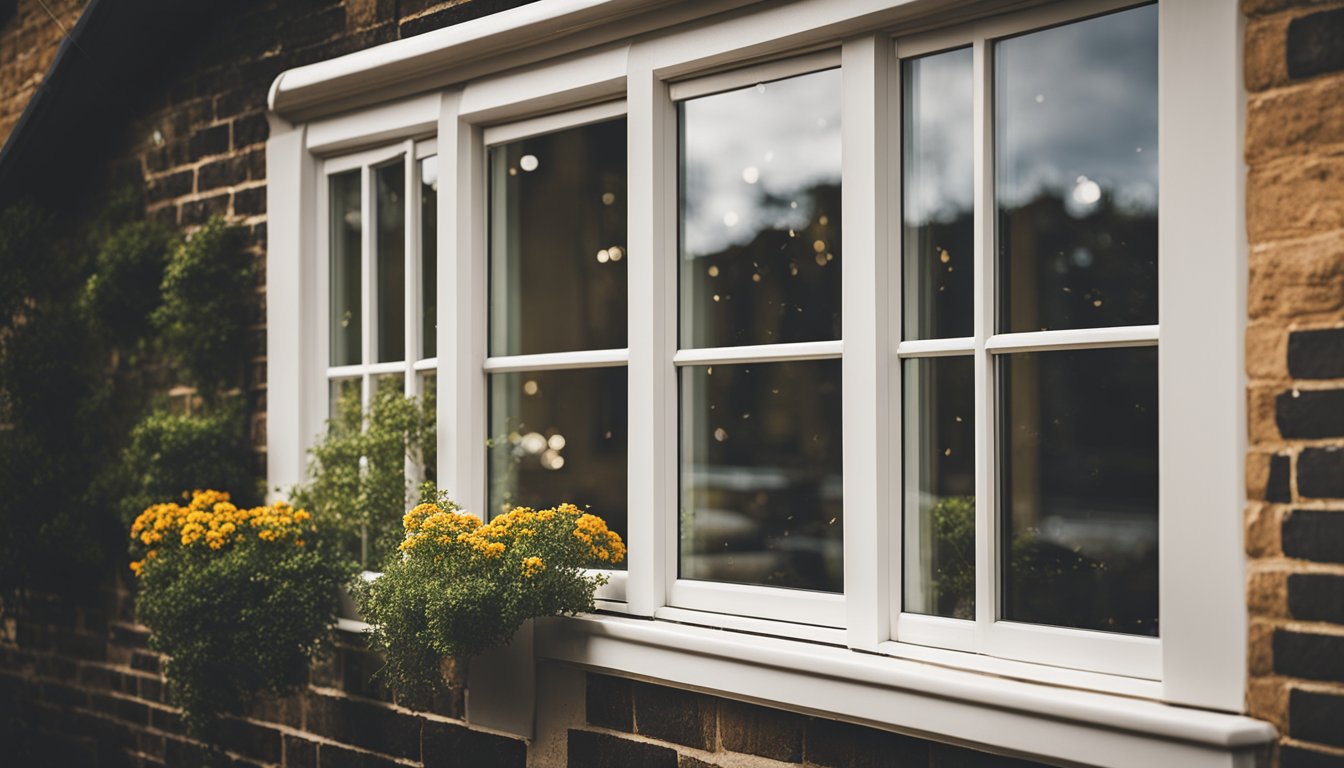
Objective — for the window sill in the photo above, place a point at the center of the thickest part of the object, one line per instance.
(1033, 720)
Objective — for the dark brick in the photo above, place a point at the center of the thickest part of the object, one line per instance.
(1277, 489)
(1296, 757)
(686, 761)
(365, 724)
(358, 669)
(600, 750)
(675, 715)
(1316, 597)
(946, 756)
(63, 695)
(239, 101)
(121, 634)
(249, 739)
(456, 14)
(1314, 534)
(250, 129)
(1317, 717)
(1320, 473)
(80, 646)
(209, 141)
(165, 720)
(286, 710)
(132, 711)
(445, 743)
(332, 756)
(761, 731)
(1309, 656)
(199, 211)
(300, 753)
(168, 187)
(1316, 354)
(315, 27)
(95, 676)
(145, 661)
(833, 744)
(1310, 414)
(150, 688)
(609, 702)
(221, 173)
(182, 752)
(1316, 44)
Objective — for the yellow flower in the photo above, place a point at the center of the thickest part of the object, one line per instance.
(533, 566)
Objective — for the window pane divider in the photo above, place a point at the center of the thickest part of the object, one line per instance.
(554, 361)
(428, 364)
(1074, 338)
(761, 353)
(936, 347)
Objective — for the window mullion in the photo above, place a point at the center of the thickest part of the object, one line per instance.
(368, 296)
(986, 574)
(411, 270)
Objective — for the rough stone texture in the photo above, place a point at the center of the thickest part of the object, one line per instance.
(761, 731)
(609, 703)
(678, 716)
(28, 44)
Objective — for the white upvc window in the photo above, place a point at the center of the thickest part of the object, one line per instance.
(887, 353)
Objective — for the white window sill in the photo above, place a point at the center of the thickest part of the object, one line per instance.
(1032, 720)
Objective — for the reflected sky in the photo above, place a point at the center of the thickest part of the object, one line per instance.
(748, 154)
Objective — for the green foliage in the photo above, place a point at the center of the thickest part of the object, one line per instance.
(173, 453)
(457, 587)
(240, 600)
(952, 581)
(357, 476)
(208, 287)
(123, 290)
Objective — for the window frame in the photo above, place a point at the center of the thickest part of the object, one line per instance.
(1203, 612)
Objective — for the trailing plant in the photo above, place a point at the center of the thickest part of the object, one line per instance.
(239, 599)
(357, 475)
(457, 587)
(123, 291)
(208, 288)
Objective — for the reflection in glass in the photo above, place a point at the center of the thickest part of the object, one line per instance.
(1078, 463)
(560, 436)
(760, 213)
(390, 261)
(345, 268)
(429, 261)
(760, 474)
(429, 393)
(385, 381)
(939, 483)
(1076, 174)
(343, 394)
(557, 241)
(936, 194)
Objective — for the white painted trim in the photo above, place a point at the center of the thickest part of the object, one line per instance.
(428, 364)
(936, 347)
(807, 632)
(760, 353)
(752, 75)
(795, 606)
(1074, 338)
(554, 361)
(537, 126)
(1037, 721)
(406, 119)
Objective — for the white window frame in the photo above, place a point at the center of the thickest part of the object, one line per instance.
(644, 56)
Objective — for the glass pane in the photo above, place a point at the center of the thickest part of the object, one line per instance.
(429, 260)
(560, 436)
(345, 268)
(429, 392)
(760, 213)
(1076, 176)
(390, 184)
(760, 474)
(1078, 457)
(939, 486)
(343, 394)
(393, 381)
(939, 216)
(557, 242)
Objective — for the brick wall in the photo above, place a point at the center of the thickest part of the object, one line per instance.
(1295, 364)
(28, 43)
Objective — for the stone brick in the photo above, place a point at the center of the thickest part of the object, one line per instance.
(250, 129)
(600, 750)
(1267, 699)
(1316, 717)
(1316, 597)
(1314, 44)
(833, 744)
(1292, 121)
(445, 743)
(369, 725)
(200, 211)
(225, 172)
(1320, 473)
(1317, 354)
(1260, 648)
(761, 731)
(1309, 656)
(1278, 487)
(249, 202)
(1260, 417)
(1310, 414)
(609, 702)
(1297, 757)
(334, 756)
(209, 141)
(1268, 593)
(1295, 197)
(145, 661)
(300, 752)
(1266, 351)
(169, 186)
(250, 739)
(1264, 63)
(1314, 534)
(675, 715)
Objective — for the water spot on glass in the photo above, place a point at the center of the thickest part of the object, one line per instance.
(832, 521)
(528, 163)
(819, 246)
(746, 416)
(713, 271)
(947, 451)
(1096, 302)
(531, 387)
(608, 198)
(760, 87)
(822, 122)
(831, 257)
(1040, 98)
(821, 259)
(793, 204)
(617, 252)
(709, 371)
(603, 256)
(556, 442)
(720, 434)
(944, 256)
(751, 174)
(607, 435)
(824, 220)
(730, 219)
(958, 418)
(791, 234)
(513, 171)
(716, 297)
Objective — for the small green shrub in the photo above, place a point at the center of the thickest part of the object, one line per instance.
(123, 290)
(171, 452)
(456, 587)
(239, 599)
(357, 476)
(208, 289)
